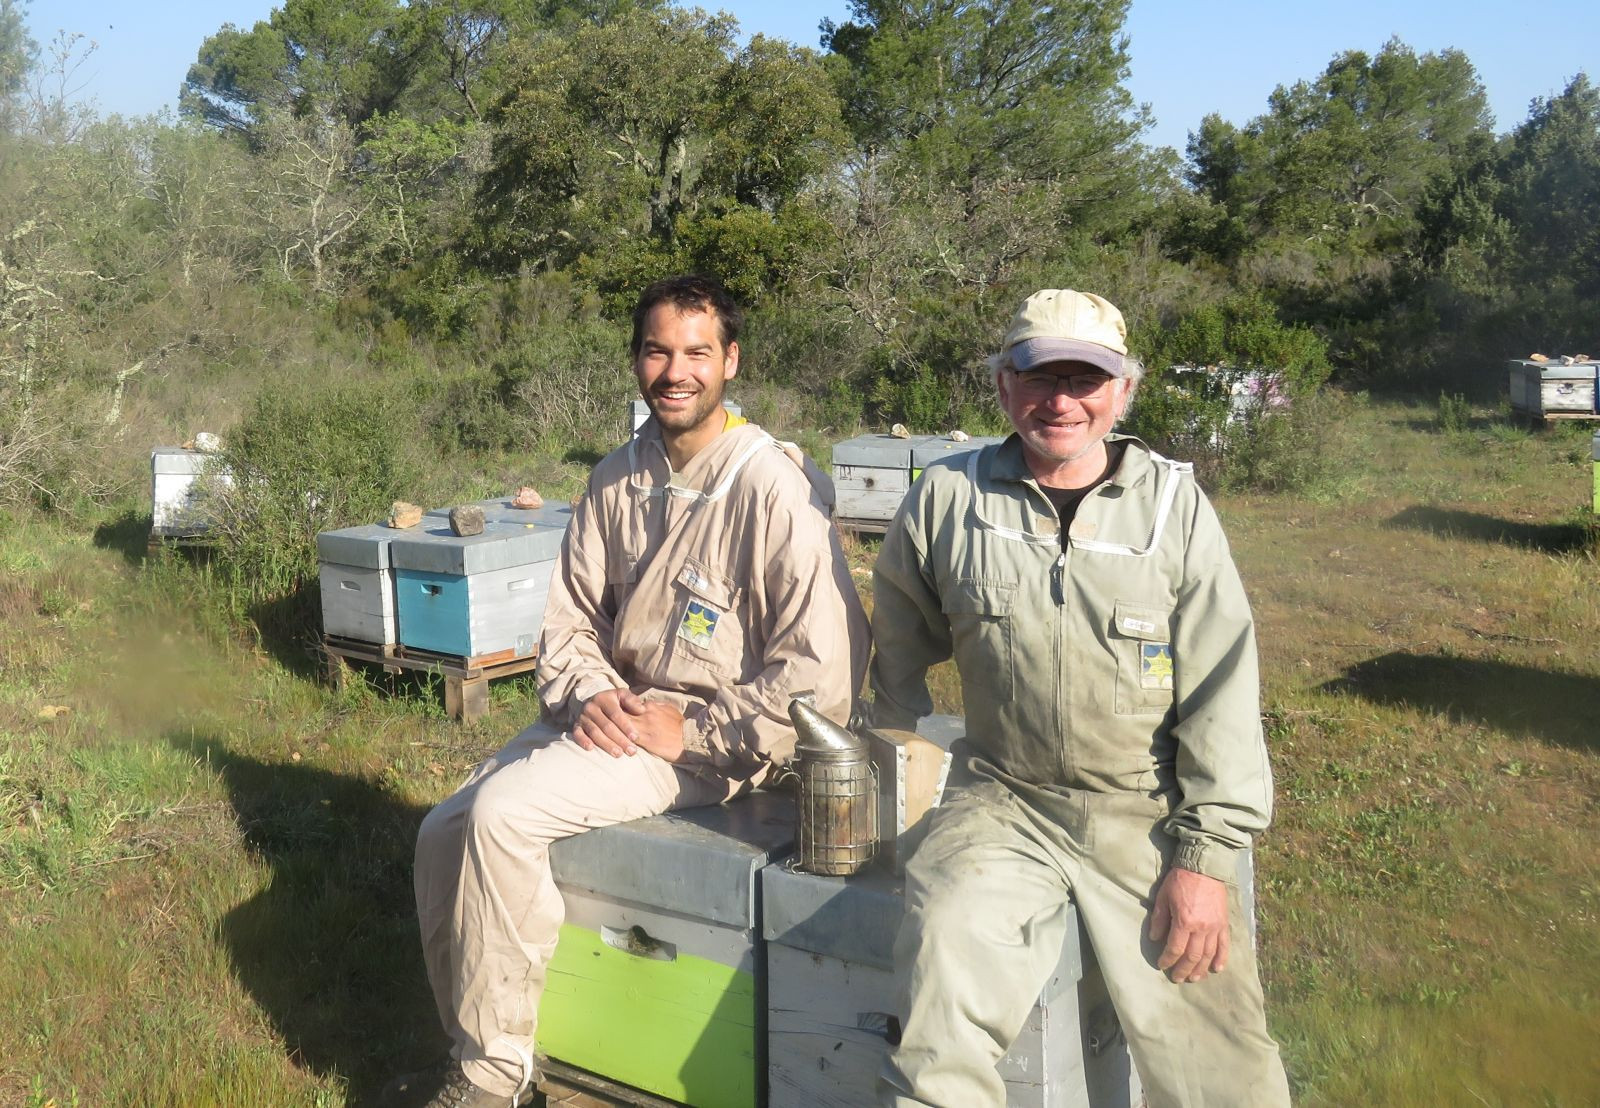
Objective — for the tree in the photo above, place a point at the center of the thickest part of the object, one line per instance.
(596, 154)
(1550, 186)
(1347, 159)
(975, 93)
(332, 59)
(18, 54)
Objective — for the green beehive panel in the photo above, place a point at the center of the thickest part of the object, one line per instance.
(684, 1028)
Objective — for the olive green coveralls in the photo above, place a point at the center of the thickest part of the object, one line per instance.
(1113, 730)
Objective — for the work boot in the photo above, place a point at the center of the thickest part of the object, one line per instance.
(445, 1086)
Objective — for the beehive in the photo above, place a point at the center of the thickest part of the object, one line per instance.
(830, 1004)
(873, 473)
(357, 583)
(1543, 389)
(177, 505)
(655, 981)
(475, 596)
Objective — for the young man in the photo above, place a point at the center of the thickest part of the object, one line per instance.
(701, 586)
(1114, 755)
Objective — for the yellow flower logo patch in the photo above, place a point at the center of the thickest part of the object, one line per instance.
(1155, 665)
(699, 624)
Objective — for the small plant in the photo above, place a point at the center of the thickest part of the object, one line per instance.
(1455, 414)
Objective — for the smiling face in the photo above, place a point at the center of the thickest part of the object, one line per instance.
(682, 368)
(1063, 412)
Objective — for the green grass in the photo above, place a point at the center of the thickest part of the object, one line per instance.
(205, 862)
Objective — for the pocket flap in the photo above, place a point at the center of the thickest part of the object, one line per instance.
(1141, 621)
(700, 581)
(980, 598)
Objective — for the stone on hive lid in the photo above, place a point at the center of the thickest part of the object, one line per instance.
(403, 514)
(467, 520)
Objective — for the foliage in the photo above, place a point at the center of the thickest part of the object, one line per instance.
(1230, 387)
(1346, 158)
(1455, 414)
(296, 464)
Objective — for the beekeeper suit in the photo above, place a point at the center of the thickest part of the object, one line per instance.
(700, 587)
(1114, 757)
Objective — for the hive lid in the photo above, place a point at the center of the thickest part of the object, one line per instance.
(366, 546)
(698, 862)
(884, 451)
(932, 449)
(175, 459)
(503, 544)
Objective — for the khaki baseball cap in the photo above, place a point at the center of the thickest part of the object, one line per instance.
(1060, 325)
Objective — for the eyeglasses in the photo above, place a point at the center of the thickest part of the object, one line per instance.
(1079, 386)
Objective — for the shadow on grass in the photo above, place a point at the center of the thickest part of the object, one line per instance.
(289, 629)
(127, 534)
(329, 949)
(1559, 708)
(586, 456)
(1552, 538)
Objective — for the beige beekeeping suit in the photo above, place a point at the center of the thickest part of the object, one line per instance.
(720, 589)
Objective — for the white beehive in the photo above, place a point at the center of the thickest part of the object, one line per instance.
(177, 503)
(357, 583)
(873, 473)
(1549, 388)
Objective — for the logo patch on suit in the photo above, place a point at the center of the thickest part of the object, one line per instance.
(1155, 665)
(699, 623)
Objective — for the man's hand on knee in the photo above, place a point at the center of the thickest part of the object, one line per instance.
(1191, 916)
(610, 722)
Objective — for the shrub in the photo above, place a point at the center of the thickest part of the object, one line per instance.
(1228, 389)
(1454, 413)
(302, 462)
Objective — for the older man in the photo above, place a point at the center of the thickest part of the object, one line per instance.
(1114, 756)
(700, 587)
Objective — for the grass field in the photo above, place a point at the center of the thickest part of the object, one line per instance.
(205, 852)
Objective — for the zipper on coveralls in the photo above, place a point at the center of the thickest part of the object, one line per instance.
(1058, 593)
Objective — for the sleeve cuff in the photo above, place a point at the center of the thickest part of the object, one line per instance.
(697, 738)
(1211, 859)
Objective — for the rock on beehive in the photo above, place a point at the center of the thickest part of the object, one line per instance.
(467, 520)
(402, 514)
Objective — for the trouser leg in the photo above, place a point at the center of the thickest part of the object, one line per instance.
(986, 915)
(1195, 1045)
(489, 910)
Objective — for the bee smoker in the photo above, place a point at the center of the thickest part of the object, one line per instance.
(838, 794)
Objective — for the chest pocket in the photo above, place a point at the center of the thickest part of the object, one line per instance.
(706, 627)
(980, 615)
(1141, 636)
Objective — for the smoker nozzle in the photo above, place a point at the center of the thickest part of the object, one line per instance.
(816, 733)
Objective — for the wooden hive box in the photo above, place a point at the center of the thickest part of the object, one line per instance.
(476, 596)
(655, 982)
(873, 473)
(831, 1000)
(176, 507)
(1547, 388)
(357, 583)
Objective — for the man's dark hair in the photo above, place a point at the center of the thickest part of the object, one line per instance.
(689, 293)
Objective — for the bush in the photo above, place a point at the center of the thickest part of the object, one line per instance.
(1454, 413)
(1229, 388)
(302, 462)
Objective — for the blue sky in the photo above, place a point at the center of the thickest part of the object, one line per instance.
(1189, 58)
